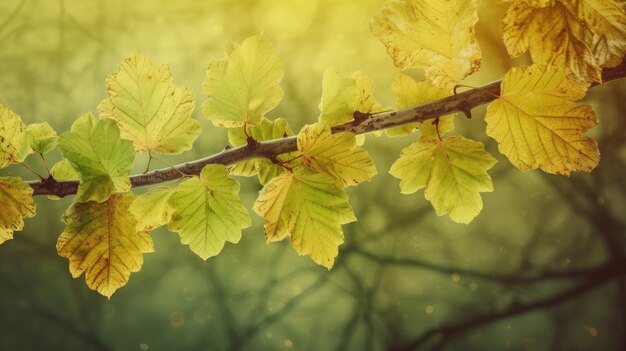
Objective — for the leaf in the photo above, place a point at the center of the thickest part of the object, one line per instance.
(335, 154)
(100, 156)
(149, 109)
(538, 124)
(42, 138)
(584, 35)
(13, 143)
(16, 202)
(153, 208)
(435, 35)
(63, 170)
(208, 211)
(453, 172)
(266, 130)
(245, 86)
(101, 241)
(342, 95)
(309, 208)
(409, 93)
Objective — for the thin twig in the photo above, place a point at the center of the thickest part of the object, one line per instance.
(462, 102)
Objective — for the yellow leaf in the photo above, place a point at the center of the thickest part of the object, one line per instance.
(409, 93)
(335, 154)
(435, 35)
(583, 35)
(13, 138)
(16, 202)
(453, 172)
(309, 208)
(101, 241)
(245, 85)
(342, 95)
(153, 208)
(538, 124)
(266, 130)
(149, 109)
(208, 211)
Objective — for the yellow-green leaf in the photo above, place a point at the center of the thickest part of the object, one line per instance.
(409, 93)
(336, 154)
(149, 109)
(16, 202)
(63, 170)
(266, 130)
(342, 95)
(538, 123)
(100, 156)
(101, 241)
(435, 35)
(14, 145)
(208, 211)
(153, 208)
(42, 138)
(245, 86)
(583, 35)
(453, 172)
(309, 208)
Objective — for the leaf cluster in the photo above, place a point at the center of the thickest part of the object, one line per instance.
(536, 120)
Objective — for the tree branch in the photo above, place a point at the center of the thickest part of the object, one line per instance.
(507, 279)
(462, 102)
(446, 332)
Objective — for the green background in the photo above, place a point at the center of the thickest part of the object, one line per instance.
(402, 273)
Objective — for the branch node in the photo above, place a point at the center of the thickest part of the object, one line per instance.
(360, 117)
(466, 109)
(251, 143)
(49, 181)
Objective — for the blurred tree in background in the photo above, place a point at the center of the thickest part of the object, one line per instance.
(535, 271)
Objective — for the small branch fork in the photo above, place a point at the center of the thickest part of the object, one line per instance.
(363, 123)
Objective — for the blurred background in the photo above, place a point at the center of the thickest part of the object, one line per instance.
(535, 271)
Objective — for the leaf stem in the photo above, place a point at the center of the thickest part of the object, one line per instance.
(31, 170)
(45, 163)
(184, 175)
(150, 158)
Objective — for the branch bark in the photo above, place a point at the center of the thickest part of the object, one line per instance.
(462, 102)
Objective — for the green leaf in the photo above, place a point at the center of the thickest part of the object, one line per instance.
(266, 130)
(453, 172)
(153, 209)
(42, 138)
(16, 202)
(14, 145)
(100, 156)
(409, 93)
(336, 154)
(245, 86)
(101, 241)
(309, 208)
(208, 211)
(149, 109)
(342, 95)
